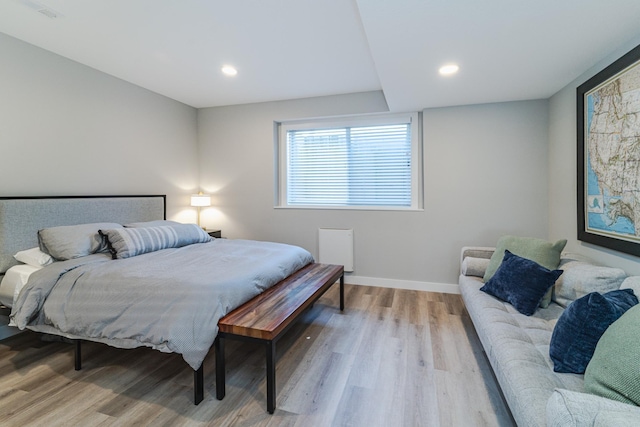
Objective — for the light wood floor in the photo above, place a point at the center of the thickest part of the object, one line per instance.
(393, 358)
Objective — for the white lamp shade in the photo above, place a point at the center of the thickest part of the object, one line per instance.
(200, 200)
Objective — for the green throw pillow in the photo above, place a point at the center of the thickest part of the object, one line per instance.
(545, 253)
(614, 371)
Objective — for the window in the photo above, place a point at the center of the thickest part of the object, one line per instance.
(368, 162)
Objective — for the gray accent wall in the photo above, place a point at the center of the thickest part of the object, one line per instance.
(563, 175)
(67, 129)
(485, 169)
(489, 169)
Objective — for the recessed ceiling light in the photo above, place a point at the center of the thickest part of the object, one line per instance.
(449, 69)
(229, 70)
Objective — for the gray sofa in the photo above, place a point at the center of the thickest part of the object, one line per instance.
(517, 346)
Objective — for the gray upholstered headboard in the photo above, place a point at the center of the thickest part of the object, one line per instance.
(22, 217)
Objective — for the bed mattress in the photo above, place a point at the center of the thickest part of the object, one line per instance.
(13, 281)
(170, 299)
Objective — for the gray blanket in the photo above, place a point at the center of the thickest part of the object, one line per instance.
(170, 300)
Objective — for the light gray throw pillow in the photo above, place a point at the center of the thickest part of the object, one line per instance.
(128, 242)
(580, 278)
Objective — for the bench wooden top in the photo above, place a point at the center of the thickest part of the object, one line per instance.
(266, 315)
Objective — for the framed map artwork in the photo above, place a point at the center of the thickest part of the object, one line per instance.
(609, 156)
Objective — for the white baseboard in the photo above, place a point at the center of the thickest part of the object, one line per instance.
(446, 288)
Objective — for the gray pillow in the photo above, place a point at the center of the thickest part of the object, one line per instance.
(128, 242)
(73, 241)
(580, 279)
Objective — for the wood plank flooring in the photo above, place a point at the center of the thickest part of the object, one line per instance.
(392, 358)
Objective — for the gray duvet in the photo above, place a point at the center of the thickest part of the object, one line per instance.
(170, 300)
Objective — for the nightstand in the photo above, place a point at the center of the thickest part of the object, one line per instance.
(215, 233)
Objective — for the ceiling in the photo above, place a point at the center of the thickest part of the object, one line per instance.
(285, 49)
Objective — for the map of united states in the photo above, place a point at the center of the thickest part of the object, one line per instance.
(613, 153)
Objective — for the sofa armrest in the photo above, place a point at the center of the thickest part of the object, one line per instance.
(571, 408)
(476, 252)
(474, 260)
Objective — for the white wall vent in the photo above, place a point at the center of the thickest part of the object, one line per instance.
(335, 246)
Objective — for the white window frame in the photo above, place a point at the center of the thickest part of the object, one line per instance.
(281, 156)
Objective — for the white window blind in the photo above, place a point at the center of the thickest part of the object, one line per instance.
(371, 163)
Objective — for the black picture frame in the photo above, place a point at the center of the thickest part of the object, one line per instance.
(594, 87)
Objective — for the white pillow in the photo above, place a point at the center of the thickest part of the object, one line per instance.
(34, 257)
(12, 283)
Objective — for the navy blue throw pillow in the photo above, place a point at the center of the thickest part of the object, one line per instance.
(521, 282)
(582, 324)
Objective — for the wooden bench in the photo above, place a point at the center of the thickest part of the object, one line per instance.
(268, 316)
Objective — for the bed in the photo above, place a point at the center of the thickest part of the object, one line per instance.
(153, 283)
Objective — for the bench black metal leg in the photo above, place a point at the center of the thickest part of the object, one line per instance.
(271, 376)
(198, 384)
(220, 380)
(78, 355)
(342, 293)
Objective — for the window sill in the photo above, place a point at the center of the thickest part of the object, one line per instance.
(352, 208)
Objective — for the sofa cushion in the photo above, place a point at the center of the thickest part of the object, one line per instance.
(614, 371)
(581, 278)
(521, 282)
(518, 348)
(582, 324)
(545, 253)
(567, 408)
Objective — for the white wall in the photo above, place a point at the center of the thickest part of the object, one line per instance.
(563, 174)
(67, 129)
(485, 175)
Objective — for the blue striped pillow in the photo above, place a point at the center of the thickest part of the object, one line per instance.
(128, 242)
